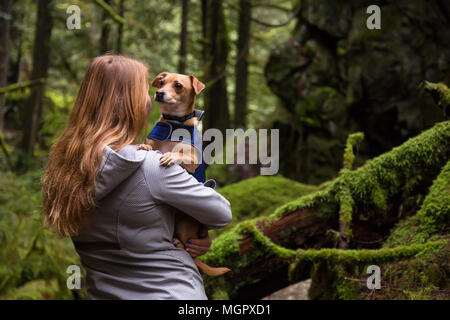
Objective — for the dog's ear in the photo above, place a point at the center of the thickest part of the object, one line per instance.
(159, 77)
(197, 85)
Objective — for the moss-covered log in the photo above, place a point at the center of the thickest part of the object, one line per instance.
(260, 196)
(440, 94)
(301, 235)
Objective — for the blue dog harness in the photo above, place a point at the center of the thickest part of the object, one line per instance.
(174, 131)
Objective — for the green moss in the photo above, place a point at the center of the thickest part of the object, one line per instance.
(225, 251)
(268, 244)
(261, 195)
(220, 294)
(223, 247)
(349, 156)
(422, 276)
(393, 174)
(346, 210)
(431, 219)
(332, 269)
(441, 93)
(435, 212)
(379, 198)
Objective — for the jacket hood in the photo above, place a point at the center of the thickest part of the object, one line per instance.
(116, 167)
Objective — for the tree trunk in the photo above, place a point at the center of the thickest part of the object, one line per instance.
(183, 36)
(216, 97)
(204, 29)
(41, 53)
(5, 19)
(16, 38)
(243, 45)
(104, 37)
(120, 27)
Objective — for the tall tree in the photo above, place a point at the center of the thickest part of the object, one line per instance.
(183, 35)
(41, 53)
(5, 19)
(243, 44)
(216, 97)
(204, 28)
(104, 46)
(120, 27)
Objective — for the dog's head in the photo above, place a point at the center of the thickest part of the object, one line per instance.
(176, 92)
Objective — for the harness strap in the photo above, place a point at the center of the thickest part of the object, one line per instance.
(181, 119)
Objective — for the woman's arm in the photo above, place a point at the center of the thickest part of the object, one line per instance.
(175, 187)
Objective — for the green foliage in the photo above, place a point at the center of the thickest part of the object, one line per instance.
(34, 260)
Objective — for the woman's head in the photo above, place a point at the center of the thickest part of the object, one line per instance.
(110, 109)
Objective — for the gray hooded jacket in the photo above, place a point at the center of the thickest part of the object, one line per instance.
(126, 244)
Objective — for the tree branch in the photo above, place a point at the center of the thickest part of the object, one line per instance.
(22, 85)
(114, 15)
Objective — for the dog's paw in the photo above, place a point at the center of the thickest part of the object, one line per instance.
(169, 159)
(144, 147)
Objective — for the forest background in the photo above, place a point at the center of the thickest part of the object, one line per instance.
(313, 70)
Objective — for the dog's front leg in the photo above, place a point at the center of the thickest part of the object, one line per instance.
(170, 158)
(144, 147)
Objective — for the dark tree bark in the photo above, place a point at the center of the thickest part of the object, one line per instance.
(16, 41)
(104, 46)
(243, 44)
(120, 27)
(5, 19)
(216, 97)
(41, 53)
(204, 27)
(183, 36)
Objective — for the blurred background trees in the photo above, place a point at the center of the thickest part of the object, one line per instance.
(43, 61)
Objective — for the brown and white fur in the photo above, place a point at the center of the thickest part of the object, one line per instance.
(176, 96)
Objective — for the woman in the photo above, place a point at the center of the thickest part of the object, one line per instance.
(116, 202)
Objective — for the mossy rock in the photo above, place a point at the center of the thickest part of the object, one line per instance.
(260, 196)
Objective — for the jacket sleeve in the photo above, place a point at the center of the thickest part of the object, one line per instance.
(177, 188)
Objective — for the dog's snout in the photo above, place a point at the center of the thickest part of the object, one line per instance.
(160, 93)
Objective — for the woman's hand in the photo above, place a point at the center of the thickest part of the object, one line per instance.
(198, 247)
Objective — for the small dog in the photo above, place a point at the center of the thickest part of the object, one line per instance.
(176, 96)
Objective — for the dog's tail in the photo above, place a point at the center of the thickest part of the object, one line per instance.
(210, 271)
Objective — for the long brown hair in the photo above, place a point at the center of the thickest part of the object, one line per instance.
(110, 110)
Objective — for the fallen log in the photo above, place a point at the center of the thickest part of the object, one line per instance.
(299, 239)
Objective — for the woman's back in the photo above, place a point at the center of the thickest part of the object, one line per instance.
(126, 243)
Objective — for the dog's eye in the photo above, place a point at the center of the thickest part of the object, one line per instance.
(178, 85)
(161, 83)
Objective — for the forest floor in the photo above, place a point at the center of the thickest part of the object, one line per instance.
(298, 291)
